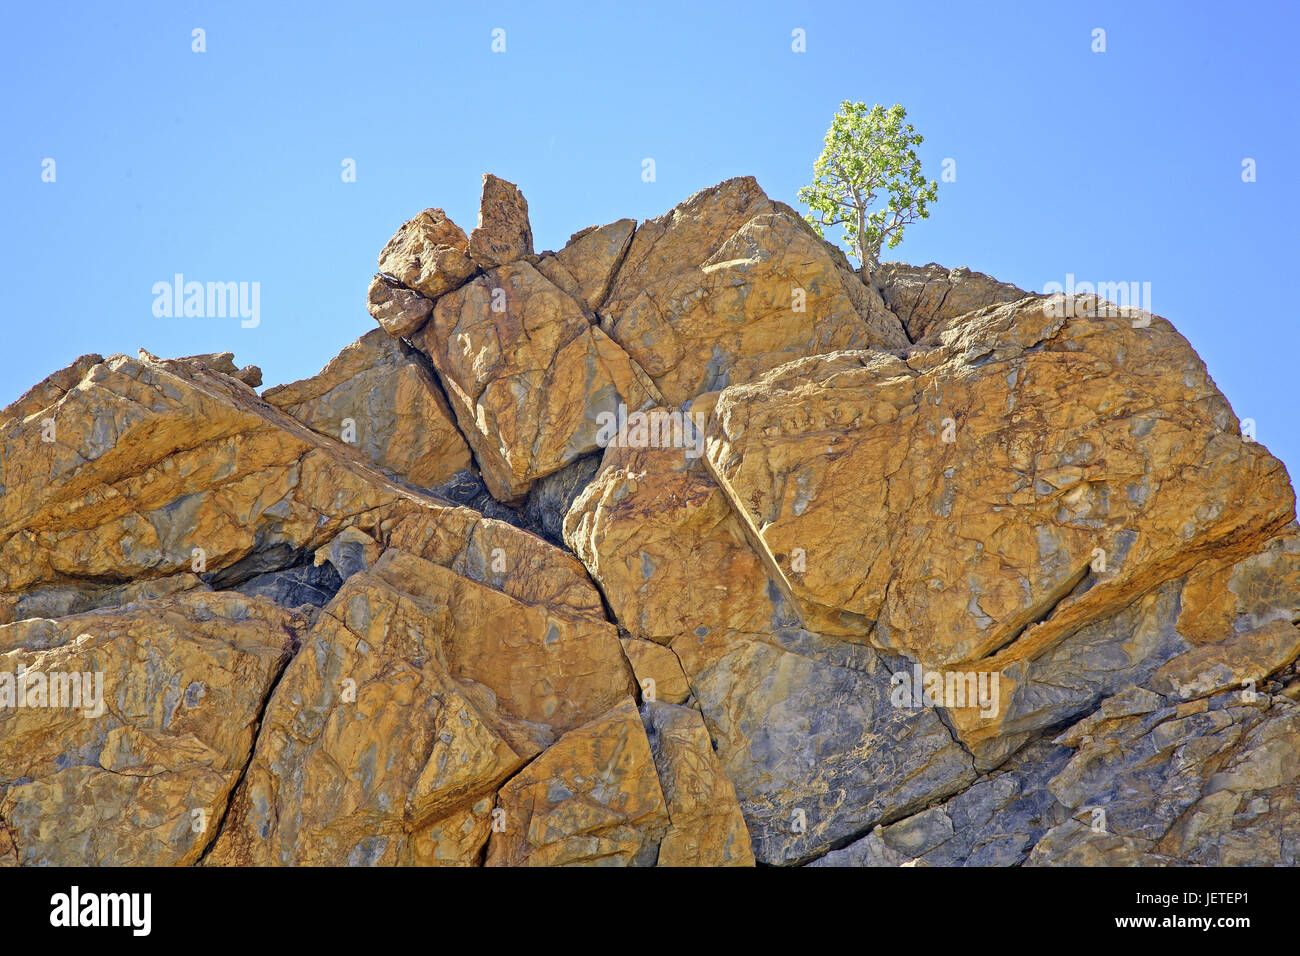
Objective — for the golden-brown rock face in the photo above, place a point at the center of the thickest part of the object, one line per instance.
(979, 436)
(527, 375)
(586, 266)
(136, 725)
(429, 254)
(730, 284)
(824, 573)
(593, 799)
(161, 467)
(378, 395)
(433, 690)
(1044, 494)
(503, 233)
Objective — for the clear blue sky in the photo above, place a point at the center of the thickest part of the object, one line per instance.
(225, 165)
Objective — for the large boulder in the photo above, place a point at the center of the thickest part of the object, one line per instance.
(133, 725)
(430, 690)
(503, 234)
(428, 254)
(1002, 485)
(925, 298)
(379, 395)
(398, 310)
(527, 375)
(730, 284)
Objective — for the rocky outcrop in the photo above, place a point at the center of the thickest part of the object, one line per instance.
(503, 234)
(679, 546)
(398, 310)
(378, 395)
(731, 284)
(1047, 498)
(428, 255)
(586, 266)
(138, 768)
(527, 375)
(925, 297)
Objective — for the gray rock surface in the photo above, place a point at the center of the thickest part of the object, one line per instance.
(294, 587)
(926, 297)
(815, 748)
(994, 823)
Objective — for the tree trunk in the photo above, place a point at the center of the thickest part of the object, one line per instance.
(864, 254)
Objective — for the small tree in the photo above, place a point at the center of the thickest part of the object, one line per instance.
(869, 152)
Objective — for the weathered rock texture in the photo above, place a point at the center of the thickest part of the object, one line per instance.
(429, 255)
(527, 375)
(379, 395)
(731, 284)
(940, 573)
(926, 297)
(146, 780)
(586, 266)
(504, 233)
(399, 310)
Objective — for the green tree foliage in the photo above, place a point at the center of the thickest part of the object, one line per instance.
(869, 154)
